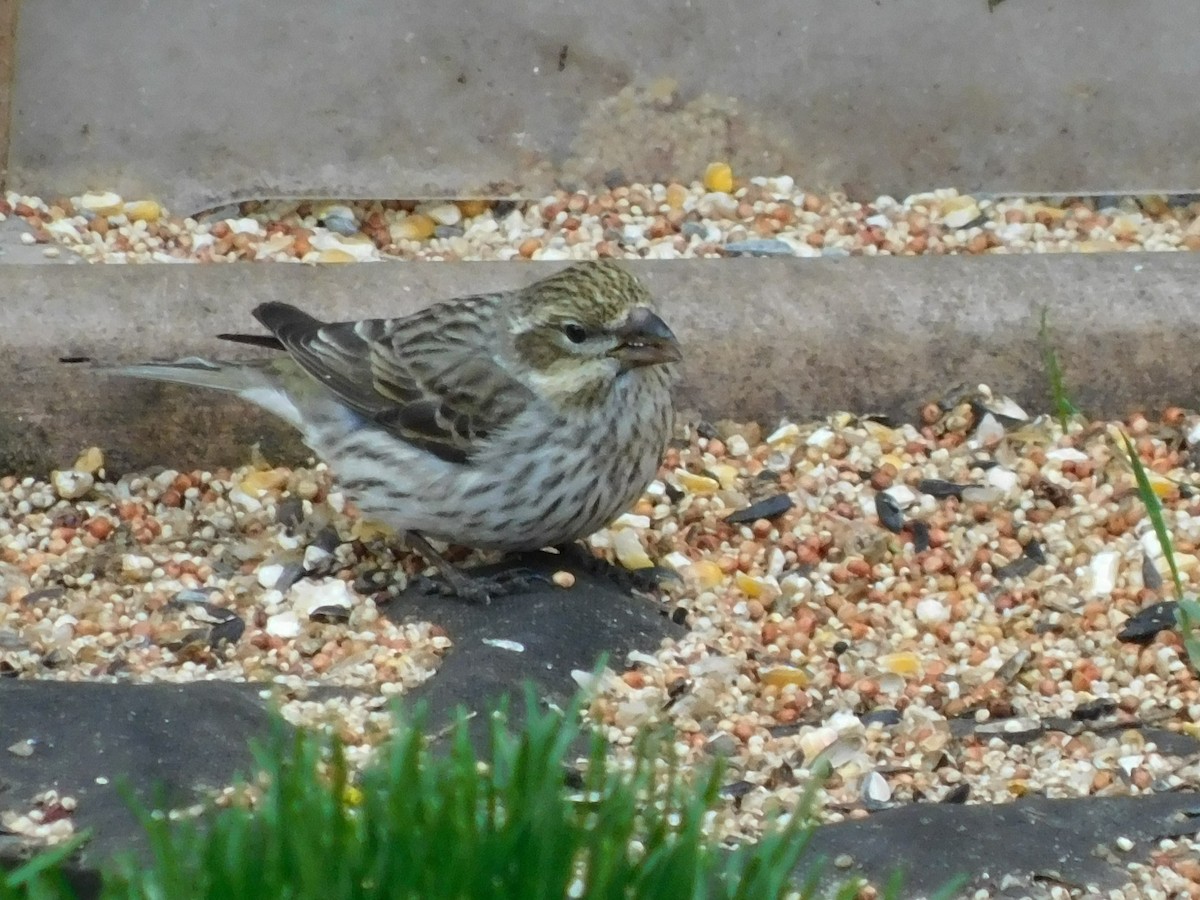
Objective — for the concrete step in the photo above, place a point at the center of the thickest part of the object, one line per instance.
(195, 104)
(764, 338)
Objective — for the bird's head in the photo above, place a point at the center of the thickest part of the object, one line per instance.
(585, 326)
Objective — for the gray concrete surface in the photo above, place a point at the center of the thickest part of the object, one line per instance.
(764, 338)
(8, 36)
(198, 103)
(14, 250)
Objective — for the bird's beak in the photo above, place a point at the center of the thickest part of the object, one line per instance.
(645, 340)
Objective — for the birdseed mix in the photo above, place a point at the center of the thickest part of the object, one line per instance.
(763, 217)
(973, 606)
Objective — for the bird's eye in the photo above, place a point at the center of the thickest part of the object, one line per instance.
(575, 333)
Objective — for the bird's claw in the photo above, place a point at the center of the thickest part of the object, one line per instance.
(480, 589)
(641, 580)
(645, 580)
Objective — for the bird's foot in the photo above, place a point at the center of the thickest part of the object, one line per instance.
(452, 582)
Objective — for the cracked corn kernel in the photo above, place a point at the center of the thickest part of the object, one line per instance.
(781, 676)
(90, 460)
(718, 177)
(749, 585)
(264, 481)
(696, 484)
(902, 663)
(706, 573)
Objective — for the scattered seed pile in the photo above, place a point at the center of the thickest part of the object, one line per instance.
(713, 218)
(968, 608)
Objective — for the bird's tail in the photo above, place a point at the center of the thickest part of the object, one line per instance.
(259, 383)
(194, 371)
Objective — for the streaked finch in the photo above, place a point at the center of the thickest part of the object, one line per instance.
(506, 421)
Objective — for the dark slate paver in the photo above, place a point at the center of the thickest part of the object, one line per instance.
(166, 741)
(1012, 848)
(557, 630)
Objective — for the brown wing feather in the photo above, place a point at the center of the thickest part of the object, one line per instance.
(426, 378)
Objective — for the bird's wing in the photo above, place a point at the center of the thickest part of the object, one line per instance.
(430, 378)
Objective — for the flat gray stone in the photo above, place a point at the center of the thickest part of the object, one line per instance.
(165, 742)
(539, 636)
(1018, 849)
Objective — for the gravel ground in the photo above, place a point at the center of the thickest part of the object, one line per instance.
(763, 217)
(934, 609)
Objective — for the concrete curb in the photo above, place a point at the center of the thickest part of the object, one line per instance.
(766, 338)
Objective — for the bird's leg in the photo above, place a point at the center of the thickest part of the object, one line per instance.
(471, 588)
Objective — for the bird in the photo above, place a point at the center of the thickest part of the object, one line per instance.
(505, 421)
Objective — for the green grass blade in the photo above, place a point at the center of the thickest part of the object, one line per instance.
(41, 878)
(1187, 610)
(1064, 409)
(1154, 510)
(422, 825)
(1187, 615)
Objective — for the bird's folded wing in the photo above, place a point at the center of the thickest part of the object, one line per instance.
(431, 382)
